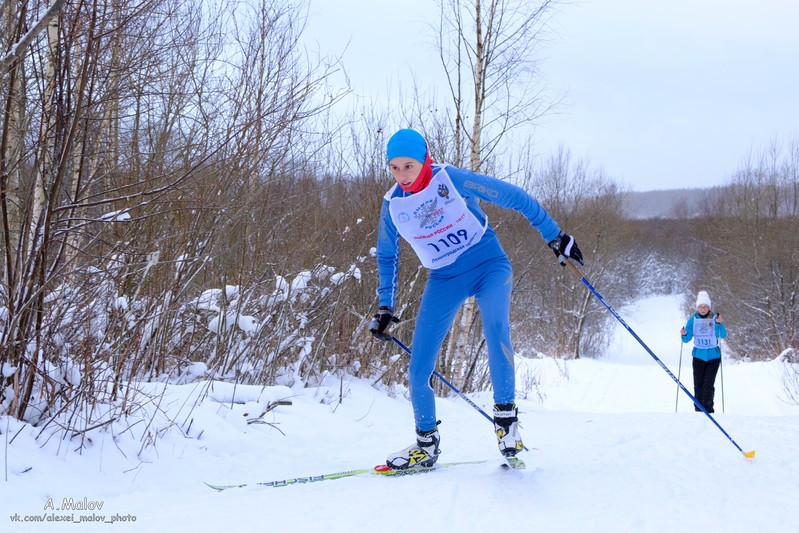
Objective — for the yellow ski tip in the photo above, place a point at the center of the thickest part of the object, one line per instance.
(749, 455)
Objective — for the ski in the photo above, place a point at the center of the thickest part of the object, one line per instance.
(385, 470)
(295, 481)
(381, 470)
(514, 463)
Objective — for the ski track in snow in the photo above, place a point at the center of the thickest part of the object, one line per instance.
(607, 454)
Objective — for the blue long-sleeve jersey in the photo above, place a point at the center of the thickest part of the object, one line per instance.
(472, 187)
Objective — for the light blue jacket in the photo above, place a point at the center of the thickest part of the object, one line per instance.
(705, 354)
(472, 187)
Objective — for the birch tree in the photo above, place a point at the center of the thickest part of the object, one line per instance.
(488, 49)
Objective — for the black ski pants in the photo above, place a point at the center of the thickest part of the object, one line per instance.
(704, 382)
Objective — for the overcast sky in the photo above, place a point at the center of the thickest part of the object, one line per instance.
(659, 94)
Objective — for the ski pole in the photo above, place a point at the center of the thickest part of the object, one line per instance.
(721, 369)
(576, 271)
(451, 386)
(679, 370)
(721, 363)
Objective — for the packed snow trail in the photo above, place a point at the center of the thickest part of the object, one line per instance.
(607, 454)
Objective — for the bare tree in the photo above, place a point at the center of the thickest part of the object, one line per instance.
(157, 140)
(488, 51)
(748, 253)
(565, 319)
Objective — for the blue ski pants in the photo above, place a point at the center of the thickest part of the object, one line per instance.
(490, 283)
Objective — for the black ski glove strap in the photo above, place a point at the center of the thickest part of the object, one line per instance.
(381, 320)
(565, 247)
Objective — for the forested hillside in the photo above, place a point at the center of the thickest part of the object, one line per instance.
(177, 203)
(669, 203)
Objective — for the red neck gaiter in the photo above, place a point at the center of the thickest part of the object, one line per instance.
(423, 180)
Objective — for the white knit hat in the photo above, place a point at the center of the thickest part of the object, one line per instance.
(702, 298)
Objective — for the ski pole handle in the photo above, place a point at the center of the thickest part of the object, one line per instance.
(571, 266)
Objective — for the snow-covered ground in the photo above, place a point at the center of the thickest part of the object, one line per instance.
(607, 453)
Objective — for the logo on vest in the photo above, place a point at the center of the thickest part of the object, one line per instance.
(705, 328)
(429, 214)
(443, 191)
(403, 217)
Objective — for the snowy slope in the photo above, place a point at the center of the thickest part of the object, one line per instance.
(608, 454)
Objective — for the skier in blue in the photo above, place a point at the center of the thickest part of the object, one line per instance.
(436, 209)
(705, 328)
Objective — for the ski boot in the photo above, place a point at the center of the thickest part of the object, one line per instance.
(422, 454)
(506, 425)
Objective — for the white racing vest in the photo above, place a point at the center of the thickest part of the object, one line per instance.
(705, 333)
(436, 222)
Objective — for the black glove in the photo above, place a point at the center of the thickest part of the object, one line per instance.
(381, 320)
(565, 247)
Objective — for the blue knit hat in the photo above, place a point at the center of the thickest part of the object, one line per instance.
(407, 143)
